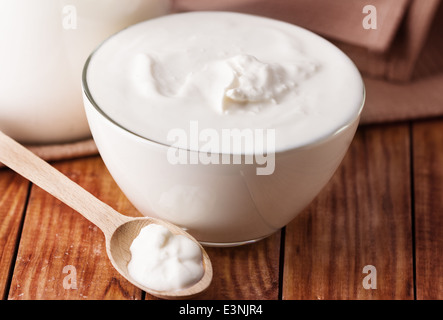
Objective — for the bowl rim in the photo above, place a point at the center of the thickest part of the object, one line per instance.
(316, 142)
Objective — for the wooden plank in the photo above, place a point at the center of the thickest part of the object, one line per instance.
(245, 272)
(54, 237)
(362, 217)
(428, 191)
(13, 194)
(61, 254)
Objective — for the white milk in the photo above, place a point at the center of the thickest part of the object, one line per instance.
(44, 45)
(225, 71)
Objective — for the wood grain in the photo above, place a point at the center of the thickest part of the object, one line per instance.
(362, 217)
(55, 239)
(13, 194)
(61, 254)
(428, 191)
(245, 272)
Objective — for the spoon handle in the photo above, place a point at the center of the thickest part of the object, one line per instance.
(38, 171)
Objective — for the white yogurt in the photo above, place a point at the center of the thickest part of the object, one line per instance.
(224, 70)
(221, 71)
(163, 261)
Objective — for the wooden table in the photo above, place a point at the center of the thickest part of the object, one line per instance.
(383, 208)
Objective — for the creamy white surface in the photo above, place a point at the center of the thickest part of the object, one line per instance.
(41, 61)
(225, 70)
(163, 261)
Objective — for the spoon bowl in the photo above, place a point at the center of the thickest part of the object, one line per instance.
(117, 247)
(119, 230)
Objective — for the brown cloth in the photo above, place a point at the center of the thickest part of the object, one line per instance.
(401, 60)
(63, 151)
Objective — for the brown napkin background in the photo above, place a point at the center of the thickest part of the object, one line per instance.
(63, 151)
(401, 60)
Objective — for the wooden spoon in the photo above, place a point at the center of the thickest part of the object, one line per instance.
(119, 230)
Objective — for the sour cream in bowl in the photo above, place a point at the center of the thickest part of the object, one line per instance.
(226, 124)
